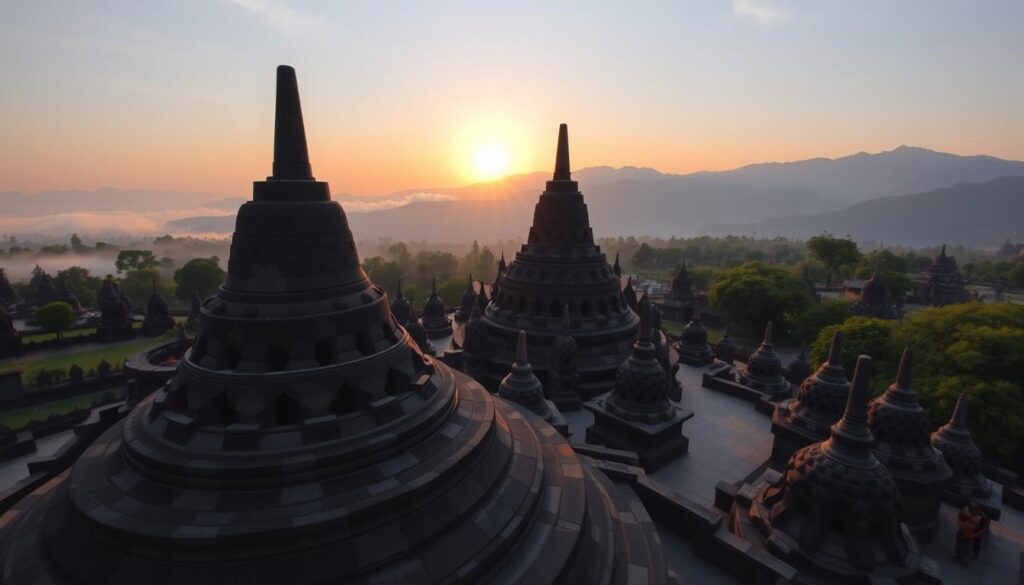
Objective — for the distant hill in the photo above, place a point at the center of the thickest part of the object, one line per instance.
(666, 206)
(974, 214)
(862, 176)
(622, 201)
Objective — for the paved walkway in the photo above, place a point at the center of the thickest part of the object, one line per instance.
(13, 470)
(729, 439)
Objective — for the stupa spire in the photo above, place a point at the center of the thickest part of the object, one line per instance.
(852, 434)
(291, 157)
(562, 171)
(835, 352)
(521, 360)
(904, 377)
(768, 333)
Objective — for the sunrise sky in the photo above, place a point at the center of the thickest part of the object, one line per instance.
(179, 94)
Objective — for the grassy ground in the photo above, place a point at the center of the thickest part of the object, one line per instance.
(87, 360)
(37, 337)
(22, 416)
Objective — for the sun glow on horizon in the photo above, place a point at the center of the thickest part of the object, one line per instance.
(491, 161)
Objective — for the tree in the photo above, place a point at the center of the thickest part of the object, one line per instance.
(863, 335)
(79, 281)
(129, 260)
(77, 246)
(755, 293)
(6, 290)
(382, 272)
(809, 323)
(833, 252)
(199, 274)
(974, 348)
(645, 256)
(138, 285)
(56, 317)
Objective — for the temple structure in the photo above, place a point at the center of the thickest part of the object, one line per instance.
(468, 300)
(834, 513)
(305, 439)
(637, 414)
(629, 294)
(418, 333)
(874, 299)
(941, 283)
(65, 294)
(902, 431)
(679, 302)
(560, 266)
(522, 387)
(158, 314)
(693, 342)
(564, 375)
(799, 369)
(195, 308)
(806, 419)
(475, 349)
(400, 307)
(725, 351)
(10, 340)
(764, 371)
(968, 484)
(435, 315)
(115, 320)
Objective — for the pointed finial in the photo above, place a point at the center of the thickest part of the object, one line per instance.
(433, 286)
(291, 158)
(835, 352)
(629, 281)
(616, 268)
(696, 313)
(521, 349)
(645, 320)
(959, 418)
(943, 251)
(566, 318)
(852, 429)
(469, 285)
(904, 377)
(562, 172)
(481, 298)
(768, 333)
(398, 295)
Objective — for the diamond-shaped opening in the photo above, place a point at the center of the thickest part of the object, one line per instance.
(323, 353)
(277, 358)
(285, 410)
(397, 382)
(229, 358)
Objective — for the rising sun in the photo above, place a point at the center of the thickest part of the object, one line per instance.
(490, 161)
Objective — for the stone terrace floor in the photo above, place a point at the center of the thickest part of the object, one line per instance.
(729, 439)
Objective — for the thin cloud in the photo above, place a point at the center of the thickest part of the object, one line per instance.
(391, 203)
(277, 14)
(759, 11)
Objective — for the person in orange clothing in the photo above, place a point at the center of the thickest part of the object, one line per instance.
(969, 528)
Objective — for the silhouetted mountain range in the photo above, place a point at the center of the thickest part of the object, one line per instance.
(973, 214)
(622, 201)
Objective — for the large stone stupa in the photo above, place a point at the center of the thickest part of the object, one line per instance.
(560, 266)
(305, 439)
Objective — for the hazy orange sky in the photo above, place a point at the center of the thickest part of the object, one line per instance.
(179, 95)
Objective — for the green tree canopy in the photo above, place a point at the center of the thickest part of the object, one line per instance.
(809, 323)
(645, 256)
(79, 281)
(973, 348)
(129, 260)
(199, 274)
(833, 252)
(755, 293)
(56, 317)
